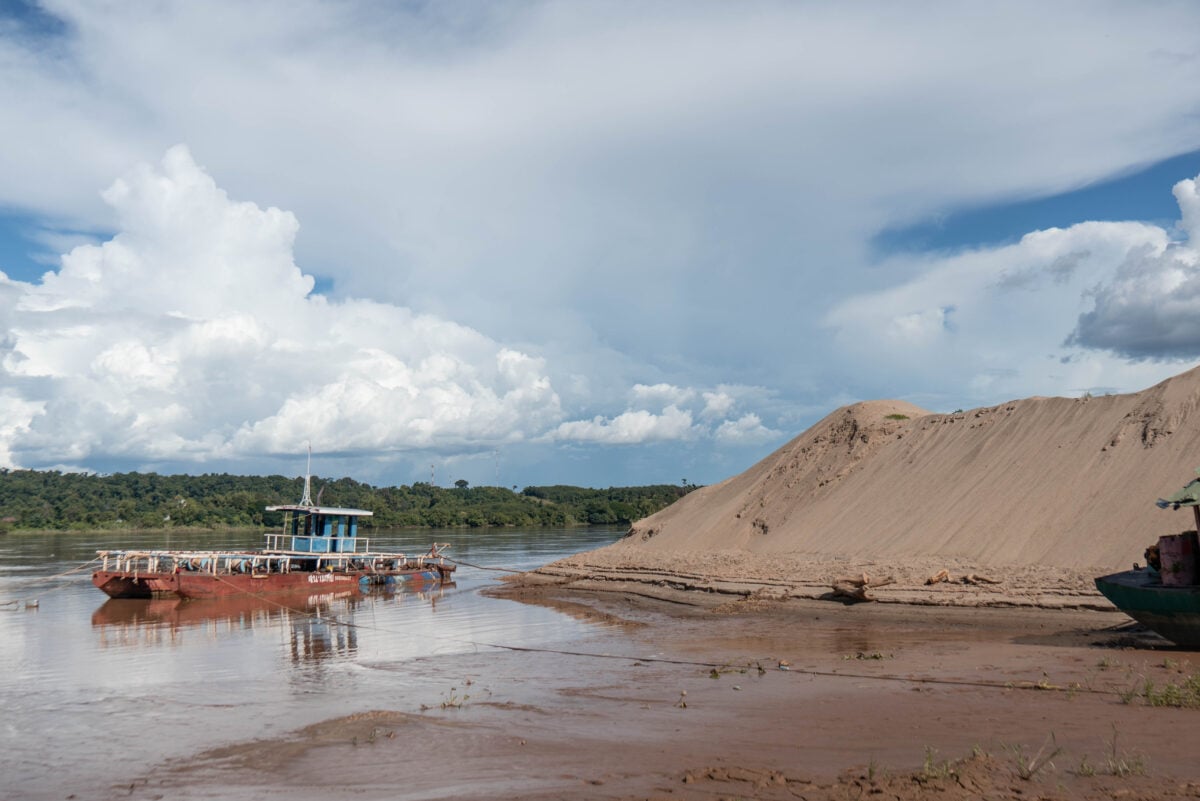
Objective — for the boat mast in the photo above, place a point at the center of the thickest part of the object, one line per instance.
(306, 500)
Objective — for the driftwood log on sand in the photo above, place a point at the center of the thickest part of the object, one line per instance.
(938, 577)
(971, 578)
(856, 587)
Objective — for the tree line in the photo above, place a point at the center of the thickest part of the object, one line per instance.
(52, 500)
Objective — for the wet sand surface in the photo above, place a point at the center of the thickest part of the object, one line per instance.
(753, 699)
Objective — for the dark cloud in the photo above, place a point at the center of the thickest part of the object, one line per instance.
(1150, 310)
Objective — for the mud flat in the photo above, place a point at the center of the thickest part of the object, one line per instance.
(706, 696)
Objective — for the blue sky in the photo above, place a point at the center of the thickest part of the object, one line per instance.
(1138, 195)
(599, 243)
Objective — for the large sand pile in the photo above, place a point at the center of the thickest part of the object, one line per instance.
(1052, 489)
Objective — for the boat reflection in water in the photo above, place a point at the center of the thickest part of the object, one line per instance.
(319, 625)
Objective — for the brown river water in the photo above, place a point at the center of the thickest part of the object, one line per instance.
(93, 690)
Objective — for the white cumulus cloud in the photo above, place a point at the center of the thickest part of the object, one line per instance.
(717, 404)
(677, 413)
(662, 394)
(1060, 311)
(629, 428)
(192, 335)
(1149, 308)
(746, 430)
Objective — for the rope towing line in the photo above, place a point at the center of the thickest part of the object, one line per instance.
(33, 603)
(483, 567)
(715, 666)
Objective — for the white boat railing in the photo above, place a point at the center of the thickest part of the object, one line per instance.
(258, 562)
(136, 562)
(290, 542)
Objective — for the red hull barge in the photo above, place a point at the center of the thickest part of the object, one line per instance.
(318, 550)
(169, 584)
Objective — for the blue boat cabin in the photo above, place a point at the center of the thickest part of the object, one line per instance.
(320, 529)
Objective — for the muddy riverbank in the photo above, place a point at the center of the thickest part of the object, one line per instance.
(698, 697)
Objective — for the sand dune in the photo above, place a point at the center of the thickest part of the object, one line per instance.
(1060, 486)
(1050, 481)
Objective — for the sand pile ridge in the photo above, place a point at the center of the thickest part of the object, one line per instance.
(1039, 487)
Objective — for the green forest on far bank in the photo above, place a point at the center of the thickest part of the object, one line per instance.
(51, 500)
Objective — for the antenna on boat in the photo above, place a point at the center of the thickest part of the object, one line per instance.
(306, 500)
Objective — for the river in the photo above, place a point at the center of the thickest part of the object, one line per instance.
(96, 690)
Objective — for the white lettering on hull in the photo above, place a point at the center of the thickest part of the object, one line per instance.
(326, 578)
